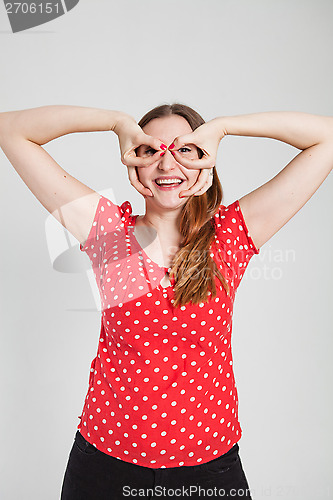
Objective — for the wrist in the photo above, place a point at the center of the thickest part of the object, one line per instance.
(220, 126)
(118, 120)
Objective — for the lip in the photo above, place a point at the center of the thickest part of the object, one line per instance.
(169, 177)
(165, 187)
(168, 188)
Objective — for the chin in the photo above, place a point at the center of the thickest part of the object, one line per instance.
(171, 203)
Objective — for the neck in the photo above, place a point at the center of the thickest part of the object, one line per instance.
(163, 221)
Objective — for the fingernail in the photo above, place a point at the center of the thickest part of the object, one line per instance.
(162, 154)
(171, 146)
(163, 146)
(172, 152)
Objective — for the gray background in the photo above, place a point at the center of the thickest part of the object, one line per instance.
(222, 58)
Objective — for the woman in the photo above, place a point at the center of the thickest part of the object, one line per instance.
(160, 415)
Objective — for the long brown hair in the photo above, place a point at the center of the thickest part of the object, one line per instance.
(192, 267)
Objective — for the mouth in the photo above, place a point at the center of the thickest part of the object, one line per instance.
(167, 183)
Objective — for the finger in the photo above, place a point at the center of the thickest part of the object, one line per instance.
(199, 193)
(139, 186)
(155, 143)
(182, 140)
(202, 163)
(204, 189)
(200, 182)
(191, 192)
(134, 179)
(131, 160)
(149, 140)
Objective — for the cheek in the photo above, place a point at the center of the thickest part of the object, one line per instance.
(191, 174)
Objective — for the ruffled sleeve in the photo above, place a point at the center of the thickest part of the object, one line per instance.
(234, 241)
(108, 217)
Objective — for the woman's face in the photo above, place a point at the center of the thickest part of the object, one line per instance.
(166, 129)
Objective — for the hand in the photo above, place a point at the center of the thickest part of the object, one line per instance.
(207, 138)
(131, 136)
(201, 185)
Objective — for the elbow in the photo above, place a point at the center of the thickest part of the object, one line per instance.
(10, 124)
(328, 133)
(7, 121)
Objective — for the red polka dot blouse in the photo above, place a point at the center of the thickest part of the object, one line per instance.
(161, 389)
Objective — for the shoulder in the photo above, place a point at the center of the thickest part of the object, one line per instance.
(106, 206)
(231, 227)
(107, 218)
(227, 214)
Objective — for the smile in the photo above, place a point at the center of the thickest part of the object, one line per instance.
(167, 184)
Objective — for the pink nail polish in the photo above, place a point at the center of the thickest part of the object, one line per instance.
(162, 154)
(163, 146)
(171, 146)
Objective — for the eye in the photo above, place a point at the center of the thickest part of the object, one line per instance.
(184, 149)
(150, 151)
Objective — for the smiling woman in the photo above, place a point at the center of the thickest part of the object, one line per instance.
(162, 402)
(167, 180)
(189, 219)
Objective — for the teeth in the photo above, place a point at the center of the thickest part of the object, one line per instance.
(168, 181)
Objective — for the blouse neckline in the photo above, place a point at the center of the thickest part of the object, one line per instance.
(148, 259)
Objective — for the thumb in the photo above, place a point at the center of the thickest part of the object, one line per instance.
(156, 143)
(181, 140)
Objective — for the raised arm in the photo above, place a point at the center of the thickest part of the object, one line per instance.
(22, 134)
(272, 205)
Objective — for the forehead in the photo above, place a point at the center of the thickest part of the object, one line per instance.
(167, 128)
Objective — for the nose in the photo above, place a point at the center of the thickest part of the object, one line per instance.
(167, 161)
